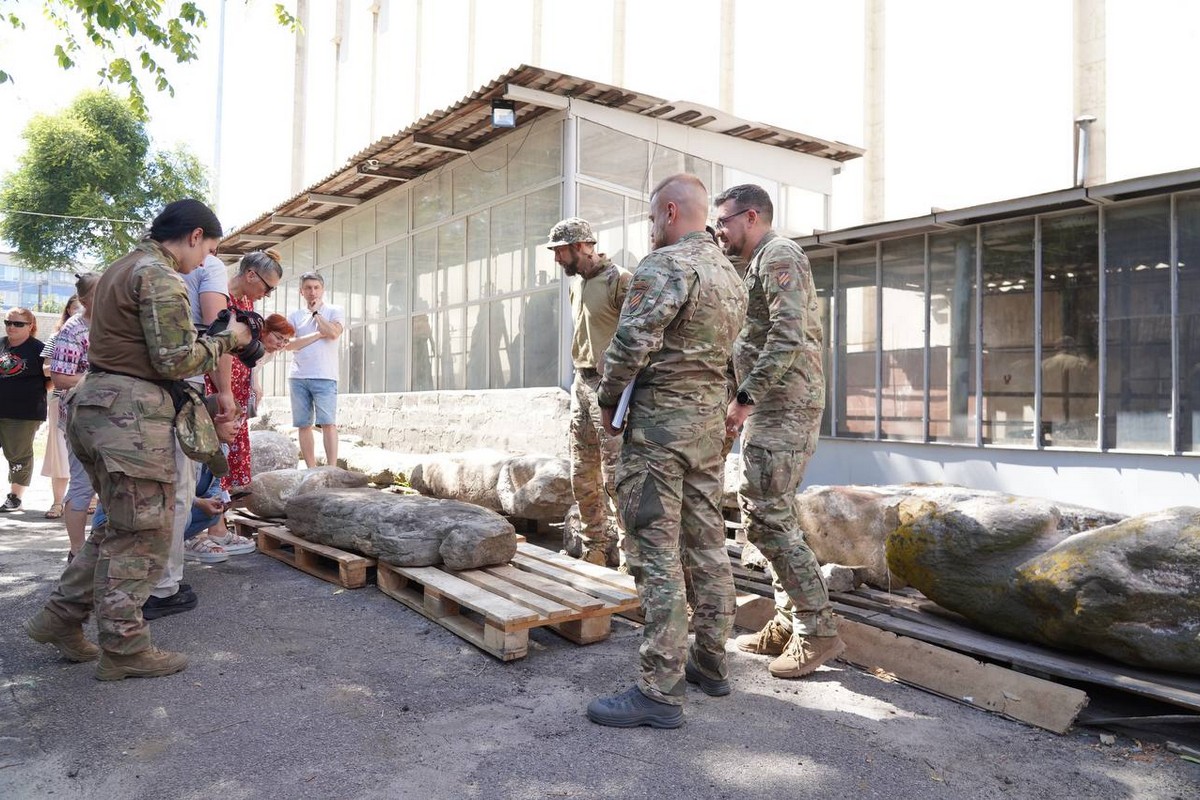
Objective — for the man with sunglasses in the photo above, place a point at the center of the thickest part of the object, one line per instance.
(313, 378)
(778, 406)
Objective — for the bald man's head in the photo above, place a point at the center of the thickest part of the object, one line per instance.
(678, 206)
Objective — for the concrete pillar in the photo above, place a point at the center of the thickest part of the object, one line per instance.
(873, 106)
(618, 44)
(1090, 83)
(535, 59)
(299, 96)
(725, 96)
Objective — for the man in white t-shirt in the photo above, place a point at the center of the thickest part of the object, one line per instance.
(314, 373)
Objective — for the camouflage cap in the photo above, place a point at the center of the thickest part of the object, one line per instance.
(570, 231)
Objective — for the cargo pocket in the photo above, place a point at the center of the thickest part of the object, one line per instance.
(630, 484)
(769, 473)
(138, 504)
(126, 586)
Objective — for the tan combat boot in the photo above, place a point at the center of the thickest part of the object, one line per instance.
(149, 663)
(804, 654)
(49, 628)
(770, 641)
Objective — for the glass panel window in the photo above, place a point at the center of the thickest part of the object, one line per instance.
(376, 283)
(302, 253)
(397, 341)
(481, 348)
(374, 364)
(606, 213)
(358, 230)
(536, 158)
(452, 263)
(480, 179)
(1188, 211)
(329, 243)
(397, 278)
(822, 272)
(354, 360)
(1008, 332)
(667, 162)
(903, 390)
(952, 337)
(505, 363)
(541, 212)
(613, 156)
(453, 349)
(1138, 313)
(478, 248)
(1070, 330)
(337, 285)
(391, 216)
(425, 287)
(508, 234)
(432, 198)
(857, 340)
(637, 234)
(424, 351)
(358, 288)
(539, 331)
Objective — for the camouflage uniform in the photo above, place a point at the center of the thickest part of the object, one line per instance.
(777, 359)
(595, 305)
(681, 315)
(121, 428)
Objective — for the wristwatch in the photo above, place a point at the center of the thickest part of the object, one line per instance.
(744, 398)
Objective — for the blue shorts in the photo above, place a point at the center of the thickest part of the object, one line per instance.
(313, 393)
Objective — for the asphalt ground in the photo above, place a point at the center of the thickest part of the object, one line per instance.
(299, 689)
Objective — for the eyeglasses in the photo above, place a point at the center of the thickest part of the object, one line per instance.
(15, 323)
(269, 288)
(722, 220)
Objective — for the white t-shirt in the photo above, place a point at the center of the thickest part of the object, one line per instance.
(319, 359)
(211, 276)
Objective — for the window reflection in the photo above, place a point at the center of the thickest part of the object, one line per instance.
(903, 343)
(1008, 330)
(952, 337)
(857, 339)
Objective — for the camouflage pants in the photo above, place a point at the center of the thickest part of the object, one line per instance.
(766, 493)
(669, 489)
(594, 456)
(124, 439)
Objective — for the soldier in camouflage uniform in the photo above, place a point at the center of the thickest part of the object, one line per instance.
(595, 306)
(780, 397)
(674, 339)
(122, 429)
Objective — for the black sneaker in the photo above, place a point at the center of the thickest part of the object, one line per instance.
(11, 503)
(177, 603)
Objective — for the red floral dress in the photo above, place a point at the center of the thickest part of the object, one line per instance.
(239, 450)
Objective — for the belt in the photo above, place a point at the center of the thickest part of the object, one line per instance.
(587, 372)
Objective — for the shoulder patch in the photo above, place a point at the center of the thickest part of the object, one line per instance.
(785, 277)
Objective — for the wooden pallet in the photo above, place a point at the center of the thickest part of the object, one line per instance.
(495, 607)
(250, 526)
(348, 570)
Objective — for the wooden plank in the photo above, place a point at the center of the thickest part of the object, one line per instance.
(603, 574)
(552, 590)
(608, 593)
(504, 645)
(349, 570)
(753, 611)
(546, 608)
(1016, 695)
(498, 611)
(1145, 683)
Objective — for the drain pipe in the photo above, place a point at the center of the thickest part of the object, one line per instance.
(1082, 142)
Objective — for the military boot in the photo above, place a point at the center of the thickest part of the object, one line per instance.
(149, 663)
(49, 628)
(804, 654)
(770, 641)
(595, 555)
(632, 708)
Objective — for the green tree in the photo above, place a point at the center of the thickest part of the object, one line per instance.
(153, 32)
(87, 181)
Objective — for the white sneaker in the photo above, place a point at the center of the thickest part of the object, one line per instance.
(202, 548)
(234, 544)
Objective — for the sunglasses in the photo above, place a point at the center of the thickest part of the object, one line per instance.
(269, 288)
(15, 323)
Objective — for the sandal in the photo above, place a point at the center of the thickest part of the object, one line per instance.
(55, 512)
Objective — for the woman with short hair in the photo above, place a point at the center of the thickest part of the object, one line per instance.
(22, 400)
